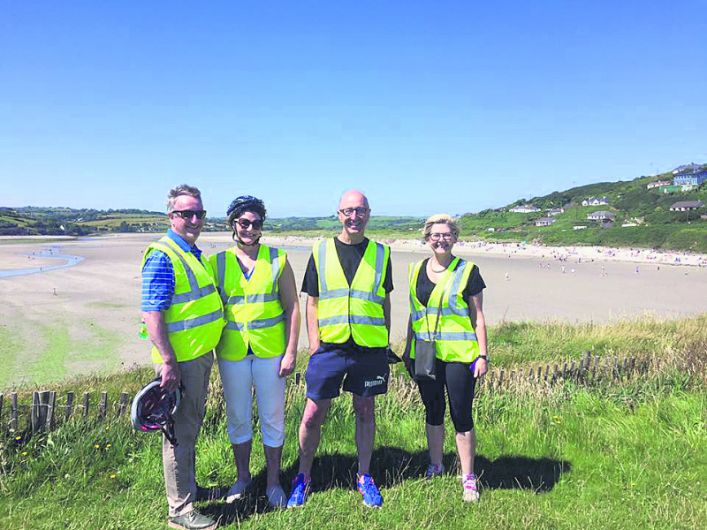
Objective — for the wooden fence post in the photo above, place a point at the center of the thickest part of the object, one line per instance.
(51, 404)
(500, 378)
(616, 368)
(86, 404)
(123, 403)
(298, 376)
(13, 411)
(2, 430)
(103, 405)
(34, 413)
(69, 405)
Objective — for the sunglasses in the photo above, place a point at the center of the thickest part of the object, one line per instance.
(245, 224)
(188, 214)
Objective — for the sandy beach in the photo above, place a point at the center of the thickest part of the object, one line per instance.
(86, 317)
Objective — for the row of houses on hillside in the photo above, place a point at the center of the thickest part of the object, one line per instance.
(686, 178)
(606, 218)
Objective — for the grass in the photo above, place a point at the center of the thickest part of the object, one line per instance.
(515, 343)
(613, 455)
(55, 352)
(626, 456)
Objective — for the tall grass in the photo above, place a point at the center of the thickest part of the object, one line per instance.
(614, 455)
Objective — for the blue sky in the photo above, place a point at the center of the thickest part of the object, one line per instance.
(426, 106)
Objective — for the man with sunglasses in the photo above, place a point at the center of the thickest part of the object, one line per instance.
(183, 314)
(348, 283)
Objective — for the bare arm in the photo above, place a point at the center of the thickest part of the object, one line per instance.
(157, 330)
(290, 305)
(312, 323)
(478, 320)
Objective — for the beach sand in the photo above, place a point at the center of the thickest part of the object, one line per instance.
(59, 323)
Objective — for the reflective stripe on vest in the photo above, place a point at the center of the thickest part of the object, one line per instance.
(254, 313)
(355, 310)
(194, 319)
(455, 336)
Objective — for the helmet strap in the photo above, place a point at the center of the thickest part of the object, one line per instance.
(168, 431)
(238, 240)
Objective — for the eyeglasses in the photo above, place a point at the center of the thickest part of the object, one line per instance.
(436, 236)
(359, 211)
(245, 224)
(188, 214)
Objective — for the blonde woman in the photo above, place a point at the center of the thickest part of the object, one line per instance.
(446, 306)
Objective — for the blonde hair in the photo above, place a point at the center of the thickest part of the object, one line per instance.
(182, 189)
(440, 218)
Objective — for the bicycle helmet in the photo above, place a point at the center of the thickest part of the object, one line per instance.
(153, 408)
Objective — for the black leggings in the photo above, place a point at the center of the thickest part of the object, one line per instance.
(460, 383)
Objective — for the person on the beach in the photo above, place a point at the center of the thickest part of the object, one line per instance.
(183, 315)
(258, 347)
(348, 283)
(450, 289)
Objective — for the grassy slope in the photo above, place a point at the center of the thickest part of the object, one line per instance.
(627, 200)
(629, 455)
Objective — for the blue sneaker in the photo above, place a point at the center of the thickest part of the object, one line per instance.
(371, 496)
(300, 490)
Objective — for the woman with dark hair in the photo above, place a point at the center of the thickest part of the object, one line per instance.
(258, 347)
(447, 320)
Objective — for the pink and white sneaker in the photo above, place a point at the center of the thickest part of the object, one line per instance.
(471, 490)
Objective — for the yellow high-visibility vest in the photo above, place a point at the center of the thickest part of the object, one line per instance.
(455, 337)
(254, 313)
(354, 311)
(195, 317)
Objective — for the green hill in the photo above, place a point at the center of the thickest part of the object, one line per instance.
(642, 217)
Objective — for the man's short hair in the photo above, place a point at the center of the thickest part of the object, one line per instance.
(182, 189)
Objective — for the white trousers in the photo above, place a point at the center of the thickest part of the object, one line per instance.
(238, 378)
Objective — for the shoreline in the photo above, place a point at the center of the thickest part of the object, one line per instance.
(577, 254)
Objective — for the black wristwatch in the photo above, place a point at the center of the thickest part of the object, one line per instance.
(484, 357)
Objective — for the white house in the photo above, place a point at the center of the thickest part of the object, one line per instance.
(686, 206)
(525, 208)
(602, 216)
(545, 221)
(595, 201)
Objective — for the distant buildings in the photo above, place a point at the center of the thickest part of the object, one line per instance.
(545, 221)
(554, 211)
(524, 208)
(658, 184)
(595, 201)
(602, 216)
(686, 206)
(694, 176)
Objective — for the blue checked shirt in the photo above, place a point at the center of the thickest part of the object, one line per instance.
(158, 276)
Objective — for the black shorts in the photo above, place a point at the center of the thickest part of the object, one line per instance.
(364, 373)
(459, 383)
